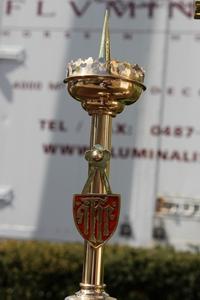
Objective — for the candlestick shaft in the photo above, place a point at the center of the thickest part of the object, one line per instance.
(104, 87)
(101, 131)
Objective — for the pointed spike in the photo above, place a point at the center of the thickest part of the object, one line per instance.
(104, 52)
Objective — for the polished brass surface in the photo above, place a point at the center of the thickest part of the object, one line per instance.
(85, 295)
(101, 130)
(104, 94)
(104, 52)
(98, 158)
(197, 10)
(104, 86)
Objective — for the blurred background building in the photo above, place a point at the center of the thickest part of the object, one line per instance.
(44, 134)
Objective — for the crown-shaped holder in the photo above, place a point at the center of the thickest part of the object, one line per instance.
(104, 87)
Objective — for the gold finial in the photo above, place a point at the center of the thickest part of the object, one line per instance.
(197, 10)
(104, 52)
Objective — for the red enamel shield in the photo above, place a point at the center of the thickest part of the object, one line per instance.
(96, 216)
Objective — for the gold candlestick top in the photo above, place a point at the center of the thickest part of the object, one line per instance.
(104, 85)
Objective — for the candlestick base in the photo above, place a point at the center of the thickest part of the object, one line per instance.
(82, 295)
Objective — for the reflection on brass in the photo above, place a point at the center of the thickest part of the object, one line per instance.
(197, 10)
(106, 93)
(97, 158)
(104, 87)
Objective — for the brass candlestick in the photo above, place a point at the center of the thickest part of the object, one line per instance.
(104, 87)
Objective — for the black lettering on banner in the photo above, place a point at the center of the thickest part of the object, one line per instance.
(81, 150)
(168, 131)
(189, 131)
(139, 153)
(162, 154)
(120, 8)
(50, 149)
(79, 11)
(56, 86)
(12, 5)
(151, 6)
(66, 149)
(41, 12)
(186, 9)
(126, 153)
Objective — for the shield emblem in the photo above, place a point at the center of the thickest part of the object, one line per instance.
(96, 216)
